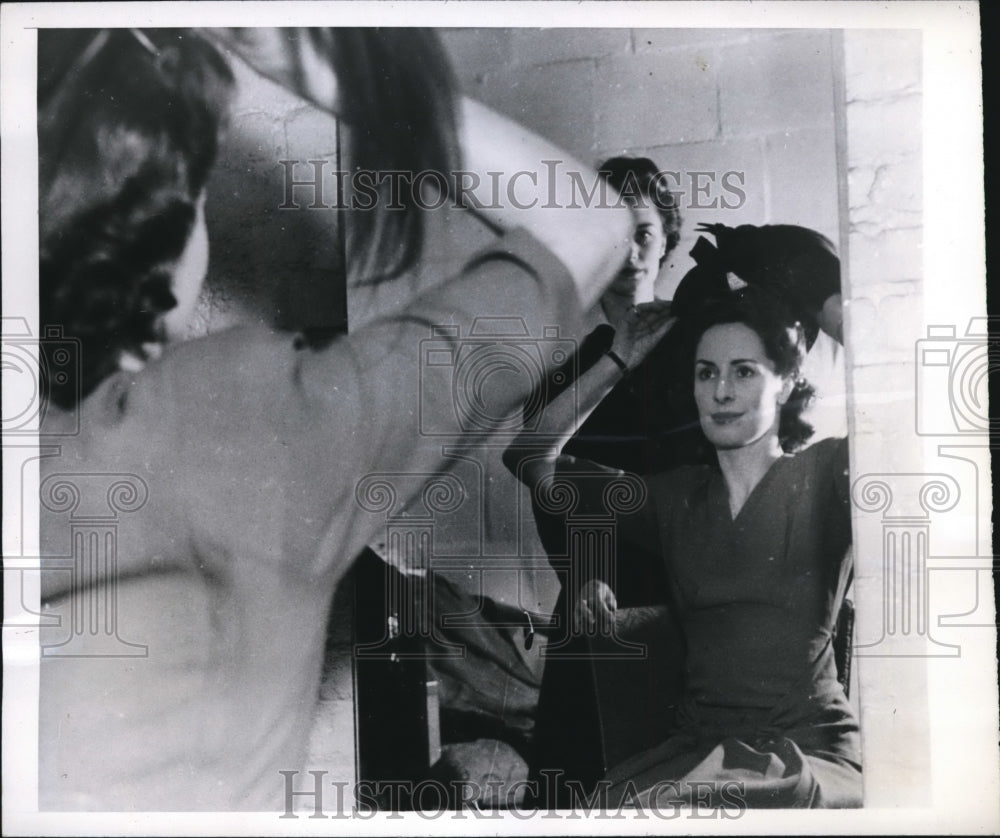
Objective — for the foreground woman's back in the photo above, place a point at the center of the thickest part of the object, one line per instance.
(243, 453)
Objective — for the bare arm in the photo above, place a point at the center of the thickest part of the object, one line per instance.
(511, 177)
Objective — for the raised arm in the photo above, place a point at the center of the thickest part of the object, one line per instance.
(525, 181)
(531, 456)
(387, 398)
(510, 176)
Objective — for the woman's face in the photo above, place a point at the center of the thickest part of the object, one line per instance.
(189, 274)
(738, 393)
(636, 280)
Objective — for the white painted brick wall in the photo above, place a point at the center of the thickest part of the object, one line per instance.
(884, 312)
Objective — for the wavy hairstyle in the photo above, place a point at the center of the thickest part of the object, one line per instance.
(129, 124)
(784, 344)
(640, 178)
(128, 129)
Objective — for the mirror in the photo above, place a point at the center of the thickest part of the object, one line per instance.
(737, 144)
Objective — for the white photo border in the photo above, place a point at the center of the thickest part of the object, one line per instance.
(962, 691)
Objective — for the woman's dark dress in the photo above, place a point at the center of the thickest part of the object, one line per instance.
(644, 425)
(757, 597)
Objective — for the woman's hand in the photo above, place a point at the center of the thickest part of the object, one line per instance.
(594, 610)
(639, 329)
(288, 56)
(831, 317)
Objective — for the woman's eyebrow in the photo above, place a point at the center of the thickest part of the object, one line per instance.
(754, 361)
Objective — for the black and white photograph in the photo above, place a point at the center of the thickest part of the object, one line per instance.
(482, 417)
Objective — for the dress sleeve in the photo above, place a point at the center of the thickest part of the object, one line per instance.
(327, 443)
(829, 473)
(558, 380)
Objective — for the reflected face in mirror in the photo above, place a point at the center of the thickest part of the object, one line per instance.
(637, 278)
(738, 393)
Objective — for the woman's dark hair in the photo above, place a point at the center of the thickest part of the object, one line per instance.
(798, 265)
(128, 128)
(784, 344)
(639, 179)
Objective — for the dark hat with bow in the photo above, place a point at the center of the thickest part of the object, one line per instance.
(796, 265)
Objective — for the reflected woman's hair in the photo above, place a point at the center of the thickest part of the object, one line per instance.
(640, 178)
(398, 96)
(784, 343)
(128, 130)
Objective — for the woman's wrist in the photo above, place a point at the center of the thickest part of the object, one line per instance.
(617, 360)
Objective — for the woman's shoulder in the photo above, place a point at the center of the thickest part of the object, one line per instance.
(823, 453)
(220, 375)
(244, 355)
(234, 342)
(824, 463)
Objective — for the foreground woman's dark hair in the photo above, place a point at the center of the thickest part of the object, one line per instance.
(119, 182)
(120, 178)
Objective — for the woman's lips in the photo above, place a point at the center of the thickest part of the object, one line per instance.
(725, 417)
(625, 281)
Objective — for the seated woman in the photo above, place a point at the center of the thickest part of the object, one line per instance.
(756, 550)
(233, 459)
